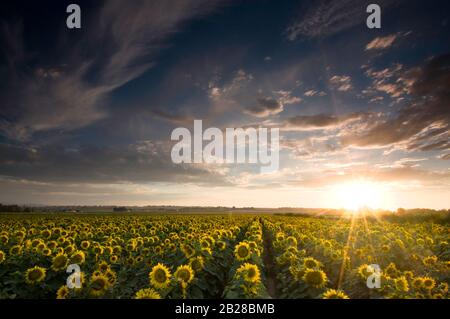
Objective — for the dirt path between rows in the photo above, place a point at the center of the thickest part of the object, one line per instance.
(269, 264)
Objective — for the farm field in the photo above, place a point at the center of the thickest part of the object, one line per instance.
(220, 256)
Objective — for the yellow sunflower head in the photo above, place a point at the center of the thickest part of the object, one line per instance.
(291, 241)
(147, 293)
(103, 267)
(15, 250)
(429, 283)
(78, 257)
(364, 271)
(35, 275)
(401, 284)
(221, 245)
(334, 294)
(197, 263)
(315, 278)
(429, 261)
(160, 276)
(60, 262)
(310, 263)
(184, 274)
(417, 283)
(85, 244)
(2, 256)
(62, 292)
(99, 285)
(242, 251)
(111, 275)
(249, 272)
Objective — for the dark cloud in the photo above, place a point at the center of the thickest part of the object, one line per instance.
(425, 122)
(265, 107)
(143, 162)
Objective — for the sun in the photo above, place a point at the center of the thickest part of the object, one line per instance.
(356, 195)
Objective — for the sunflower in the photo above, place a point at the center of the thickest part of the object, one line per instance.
(60, 262)
(113, 259)
(4, 239)
(111, 275)
(35, 275)
(85, 244)
(428, 283)
(187, 250)
(443, 287)
(52, 244)
(401, 284)
(2, 256)
(78, 257)
(334, 294)
(160, 276)
(221, 245)
(62, 292)
(15, 250)
(310, 263)
(391, 270)
(429, 261)
(99, 285)
(417, 283)
(147, 293)
(197, 263)
(184, 274)
(249, 273)
(98, 250)
(316, 278)
(291, 241)
(103, 266)
(242, 251)
(364, 271)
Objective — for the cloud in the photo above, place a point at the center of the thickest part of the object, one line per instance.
(405, 174)
(321, 121)
(286, 97)
(67, 95)
(393, 81)
(141, 162)
(311, 93)
(265, 106)
(341, 82)
(173, 118)
(424, 123)
(381, 43)
(327, 17)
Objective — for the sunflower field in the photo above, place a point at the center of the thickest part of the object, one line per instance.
(219, 256)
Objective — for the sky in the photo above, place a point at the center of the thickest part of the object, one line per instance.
(86, 114)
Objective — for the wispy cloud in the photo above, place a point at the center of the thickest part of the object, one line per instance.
(424, 123)
(380, 43)
(324, 18)
(67, 95)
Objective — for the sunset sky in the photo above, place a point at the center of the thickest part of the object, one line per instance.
(86, 115)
